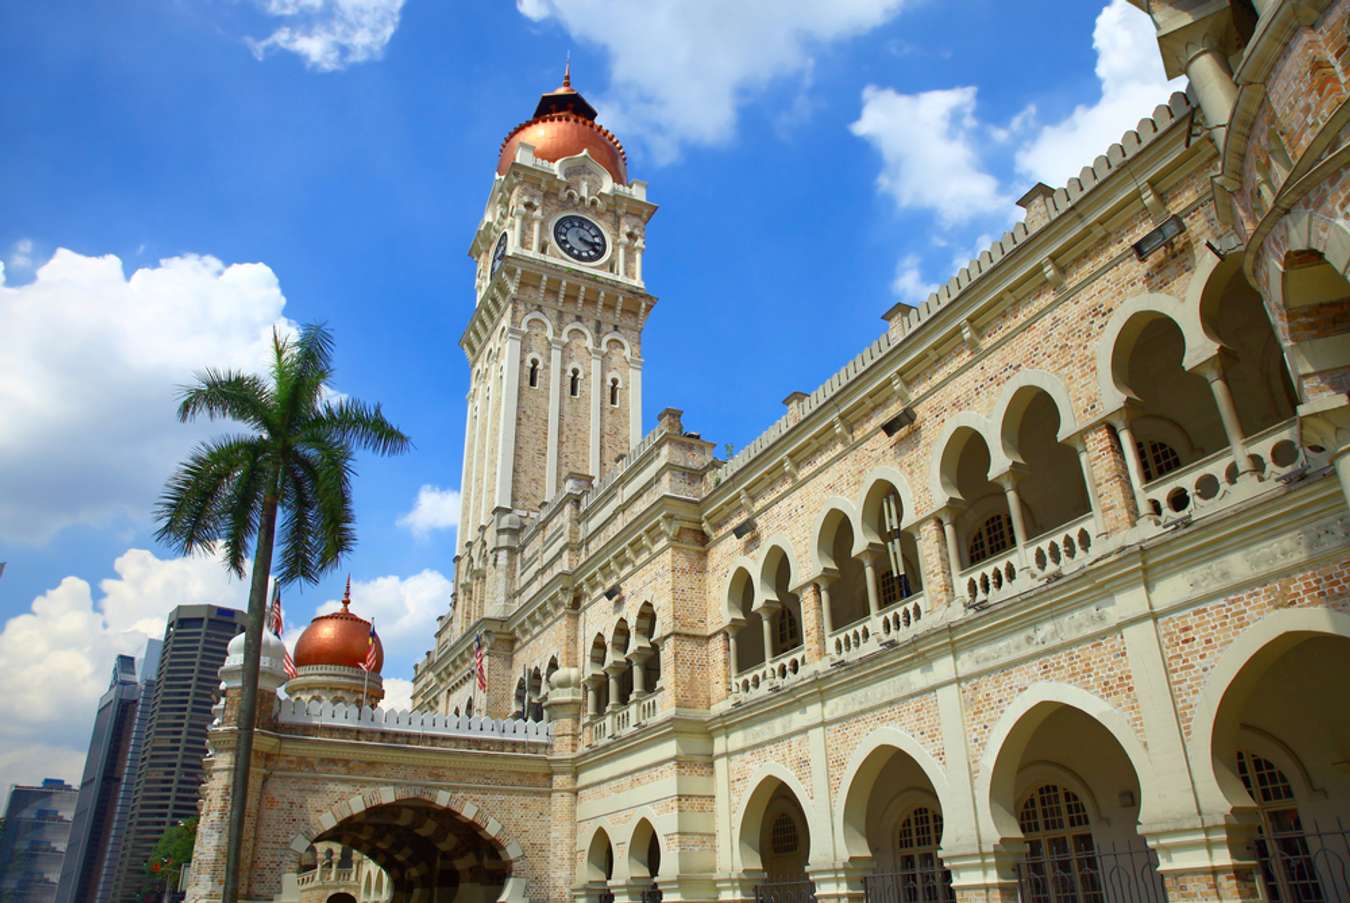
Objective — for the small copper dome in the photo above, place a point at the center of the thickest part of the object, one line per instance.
(340, 638)
(564, 125)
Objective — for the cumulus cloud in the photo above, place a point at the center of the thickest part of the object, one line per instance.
(21, 255)
(88, 377)
(929, 149)
(404, 608)
(909, 285)
(1130, 72)
(55, 659)
(680, 69)
(397, 694)
(434, 509)
(330, 34)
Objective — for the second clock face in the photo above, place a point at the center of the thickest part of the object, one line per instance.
(579, 238)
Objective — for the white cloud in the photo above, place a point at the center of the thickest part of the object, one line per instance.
(397, 694)
(434, 509)
(21, 255)
(89, 375)
(404, 609)
(55, 659)
(928, 145)
(1130, 71)
(909, 285)
(680, 69)
(331, 34)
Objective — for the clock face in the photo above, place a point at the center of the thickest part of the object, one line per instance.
(579, 238)
(498, 255)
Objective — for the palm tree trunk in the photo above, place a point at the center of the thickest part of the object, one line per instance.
(248, 700)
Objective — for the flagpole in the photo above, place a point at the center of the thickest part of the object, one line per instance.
(365, 677)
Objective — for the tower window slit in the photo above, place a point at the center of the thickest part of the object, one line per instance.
(534, 374)
(574, 383)
(614, 391)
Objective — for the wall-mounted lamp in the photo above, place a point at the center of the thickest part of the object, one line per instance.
(1170, 229)
(743, 528)
(899, 421)
(613, 592)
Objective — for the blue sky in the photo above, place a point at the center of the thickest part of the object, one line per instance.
(179, 175)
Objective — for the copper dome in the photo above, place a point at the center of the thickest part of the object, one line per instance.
(564, 125)
(340, 638)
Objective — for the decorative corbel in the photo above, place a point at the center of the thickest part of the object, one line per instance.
(789, 468)
(969, 335)
(841, 429)
(1153, 203)
(1052, 273)
(900, 387)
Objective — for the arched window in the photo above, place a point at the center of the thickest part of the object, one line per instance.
(468, 709)
(1281, 847)
(534, 374)
(995, 535)
(574, 383)
(783, 835)
(922, 875)
(1061, 864)
(1157, 458)
(789, 634)
(614, 391)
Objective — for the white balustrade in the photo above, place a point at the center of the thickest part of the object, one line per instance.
(328, 714)
(886, 627)
(1063, 549)
(1212, 482)
(771, 675)
(990, 579)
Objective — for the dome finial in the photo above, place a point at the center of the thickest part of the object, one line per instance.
(567, 71)
(347, 594)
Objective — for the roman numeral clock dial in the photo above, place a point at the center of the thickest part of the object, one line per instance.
(579, 238)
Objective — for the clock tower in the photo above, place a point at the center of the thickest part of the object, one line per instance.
(554, 341)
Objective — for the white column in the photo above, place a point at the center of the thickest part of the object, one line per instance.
(506, 444)
(948, 519)
(597, 394)
(1132, 465)
(554, 409)
(1019, 523)
(465, 483)
(1213, 83)
(484, 444)
(873, 592)
(1232, 427)
(634, 401)
(638, 247)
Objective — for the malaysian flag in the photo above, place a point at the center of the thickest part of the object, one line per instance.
(371, 652)
(478, 670)
(274, 622)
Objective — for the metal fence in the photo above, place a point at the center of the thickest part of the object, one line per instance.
(1109, 874)
(931, 885)
(785, 892)
(651, 894)
(1307, 866)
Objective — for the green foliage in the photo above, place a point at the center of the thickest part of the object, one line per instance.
(171, 852)
(295, 457)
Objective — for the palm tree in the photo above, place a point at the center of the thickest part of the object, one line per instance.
(293, 462)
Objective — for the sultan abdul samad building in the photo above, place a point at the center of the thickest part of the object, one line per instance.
(1044, 596)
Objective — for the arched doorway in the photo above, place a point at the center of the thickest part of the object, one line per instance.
(892, 814)
(644, 859)
(775, 842)
(341, 898)
(1064, 789)
(598, 867)
(427, 851)
(1277, 741)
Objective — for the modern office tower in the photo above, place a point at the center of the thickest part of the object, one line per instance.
(169, 766)
(109, 777)
(145, 697)
(33, 842)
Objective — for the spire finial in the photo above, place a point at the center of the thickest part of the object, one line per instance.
(567, 71)
(347, 594)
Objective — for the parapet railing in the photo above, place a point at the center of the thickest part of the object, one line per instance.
(299, 712)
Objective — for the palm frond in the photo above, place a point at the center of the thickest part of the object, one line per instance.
(228, 395)
(300, 543)
(354, 422)
(329, 467)
(191, 510)
(243, 505)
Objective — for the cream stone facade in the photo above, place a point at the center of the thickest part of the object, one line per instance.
(1045, 596)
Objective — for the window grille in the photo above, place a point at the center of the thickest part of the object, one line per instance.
(783, 835)
(1061, 864)
(1287, 867)
(1157, 458)
(995, 535)
(920, 872)
(789, 635)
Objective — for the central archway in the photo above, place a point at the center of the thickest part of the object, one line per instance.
(428, 851)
